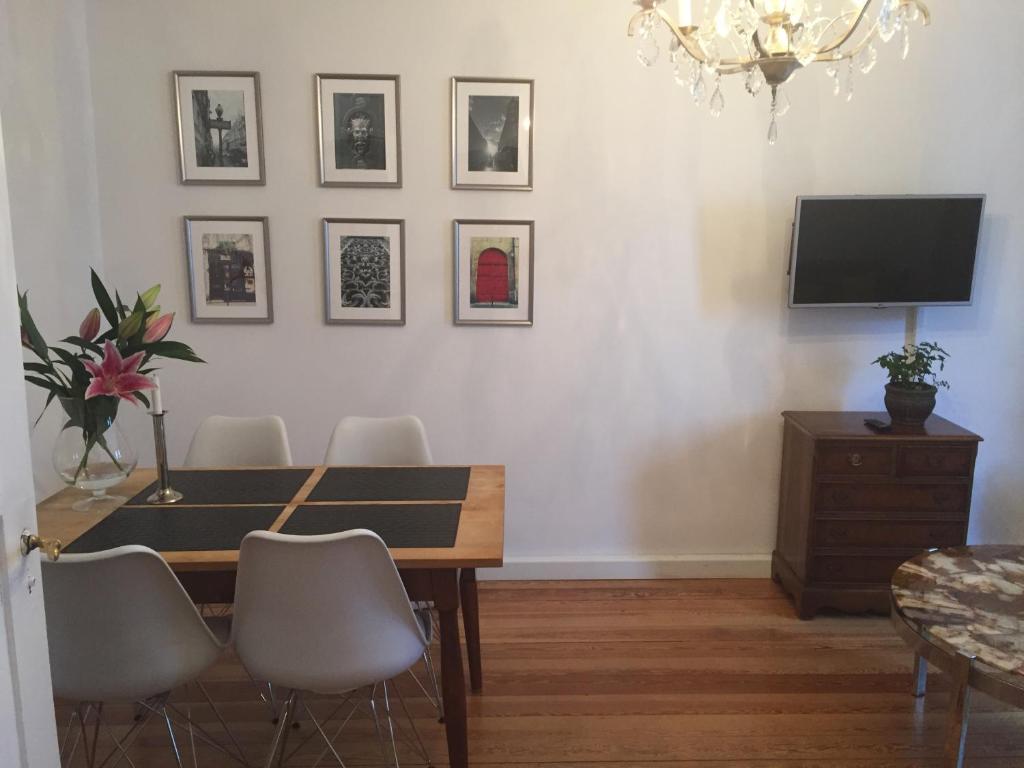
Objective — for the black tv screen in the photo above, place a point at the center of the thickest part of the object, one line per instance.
(884, 251)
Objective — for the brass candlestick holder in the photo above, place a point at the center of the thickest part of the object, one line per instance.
(164, 494)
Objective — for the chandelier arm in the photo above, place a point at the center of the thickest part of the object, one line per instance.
(926, 15)
(844, 38)
(868, 38)
(691, 47)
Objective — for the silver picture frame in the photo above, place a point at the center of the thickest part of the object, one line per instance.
(319, 81)
(332, 319)
(193, 274)
(458, 177)
(460, 317)
(184, 173)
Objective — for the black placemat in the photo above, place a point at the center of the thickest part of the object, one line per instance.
(233, 486)
(392, 484)
(176, 529)
(400, 525)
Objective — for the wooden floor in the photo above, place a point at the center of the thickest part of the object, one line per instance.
(699, 673)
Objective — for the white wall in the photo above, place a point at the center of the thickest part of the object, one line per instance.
(46, 104)
(639, 418)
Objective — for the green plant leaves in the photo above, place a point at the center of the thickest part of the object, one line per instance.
(173, 349)
(103, 299)
(913, 367)
(35, 339)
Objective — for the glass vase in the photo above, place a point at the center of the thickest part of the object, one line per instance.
(92, 453)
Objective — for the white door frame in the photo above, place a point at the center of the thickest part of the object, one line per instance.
(28, 734)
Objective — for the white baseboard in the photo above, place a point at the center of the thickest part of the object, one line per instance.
(631, 567)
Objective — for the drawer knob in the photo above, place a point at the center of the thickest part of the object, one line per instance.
(838, 534)
(855, 459)
(841, 496)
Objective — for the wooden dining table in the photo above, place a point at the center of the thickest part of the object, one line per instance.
(443, 575)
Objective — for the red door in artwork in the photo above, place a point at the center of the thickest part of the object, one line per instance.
(492, 277)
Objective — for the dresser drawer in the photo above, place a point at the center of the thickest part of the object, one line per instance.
(935, 461)
(852, 459)
(881, 534)
(856, 569)
(942, 498)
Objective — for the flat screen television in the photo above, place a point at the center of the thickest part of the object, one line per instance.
(884, 250)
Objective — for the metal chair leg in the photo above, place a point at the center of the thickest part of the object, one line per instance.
(419, 745)
(316, 725)
(220, 719)
(170, 734)
(438, 698)
(277, 745)
(62, 752)
(391, 724)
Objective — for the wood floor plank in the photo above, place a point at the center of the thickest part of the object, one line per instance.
(652, 674)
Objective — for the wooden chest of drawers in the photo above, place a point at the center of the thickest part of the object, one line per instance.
(854, 504)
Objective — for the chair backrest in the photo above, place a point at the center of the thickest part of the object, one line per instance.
(240, 441)
(322, 613)
(360, 440)
(121, 627)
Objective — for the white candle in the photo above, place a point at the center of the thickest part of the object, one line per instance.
(158, 406)
(685, 13)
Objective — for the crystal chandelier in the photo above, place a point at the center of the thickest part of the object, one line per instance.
(768, 41)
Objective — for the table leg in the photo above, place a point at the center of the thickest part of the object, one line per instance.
(471, 623)
(453, 681)
(959, 710)
(920, 676)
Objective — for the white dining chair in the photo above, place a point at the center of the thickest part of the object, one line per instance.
(362, 440)
(327, 615)
(240, 441)
(121, 628)
(389, 441)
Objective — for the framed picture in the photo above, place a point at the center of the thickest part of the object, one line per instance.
(360, 137)
(229, 269)
(364, 271)
(493, 272)
(220, 131)
(492, 133)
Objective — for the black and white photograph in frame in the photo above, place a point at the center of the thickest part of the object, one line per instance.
(229, 269)
(220, 133)
(359, 130)
(492, 133)
(364, 271)
(493, 272)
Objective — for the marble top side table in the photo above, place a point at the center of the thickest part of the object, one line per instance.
(962, 610)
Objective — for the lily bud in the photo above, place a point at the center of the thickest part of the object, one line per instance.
(157, 328)
(130, 325)
(150, 296)
(90, 325)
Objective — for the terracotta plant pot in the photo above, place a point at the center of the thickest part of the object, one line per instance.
(909, 407)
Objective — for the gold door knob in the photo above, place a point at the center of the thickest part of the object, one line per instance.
(856, 459)
(50, 547)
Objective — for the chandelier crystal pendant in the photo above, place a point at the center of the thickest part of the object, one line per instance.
(768, 41)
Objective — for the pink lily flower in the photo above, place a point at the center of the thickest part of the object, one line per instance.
(157, 328)
(90, 325)
(116, 377)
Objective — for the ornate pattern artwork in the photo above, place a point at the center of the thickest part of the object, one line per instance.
(365, 271)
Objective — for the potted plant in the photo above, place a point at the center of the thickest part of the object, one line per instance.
(91, 374)
(913, 382)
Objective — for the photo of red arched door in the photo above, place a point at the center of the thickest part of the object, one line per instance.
(492, 277)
